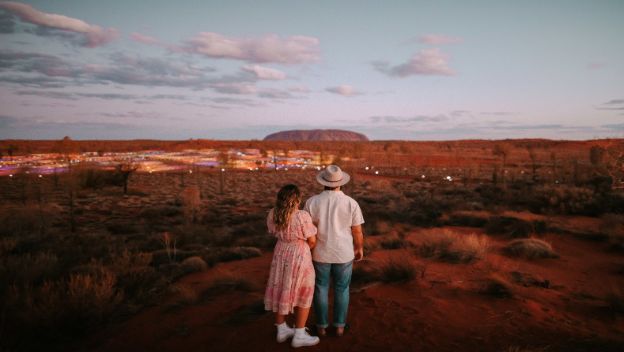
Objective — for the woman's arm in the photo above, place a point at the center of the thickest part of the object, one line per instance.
(311, 241)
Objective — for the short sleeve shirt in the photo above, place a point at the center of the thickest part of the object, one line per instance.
(334, 213)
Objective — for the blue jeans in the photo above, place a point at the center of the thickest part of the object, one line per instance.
(341, 275)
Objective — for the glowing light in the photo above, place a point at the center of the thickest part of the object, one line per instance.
(190, 171)
(376, 172)
(449, 178)
(318, 167)
(367, 168)
(422, 176)
(11, 175)
(285, 169)
(222, 170)
(40, 176)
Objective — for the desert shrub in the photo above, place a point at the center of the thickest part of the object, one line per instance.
(496, 286)
(364, 272)
(395, 243)
(531, 248)
(227, 283)
(525, 349)
(226, 254)
(183, 295)
(97, 178)
(503, 225)
(612, 225)
(60, 309)
(120, 226)
(193, 264)
(261, 241)
(466, 220)
(164, 256)
(25, 220)
(27, 269)
(615, 300)
(453, 248)
(158, 212)
(397, 269)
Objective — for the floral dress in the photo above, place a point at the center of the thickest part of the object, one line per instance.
(291, 279)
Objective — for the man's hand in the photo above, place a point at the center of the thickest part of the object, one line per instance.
(358, 242)
(359, 254)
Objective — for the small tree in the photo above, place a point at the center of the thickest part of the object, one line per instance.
(124, 170)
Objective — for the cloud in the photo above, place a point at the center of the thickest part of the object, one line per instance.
(7, 23)
(103, 96)
(266, 73)
(345, 90)
(409, 120)
(438, 39)
(268, 49)
(613, 104)
(234, 88)
(145, 39)
(275, 94)
(425, 62)
(614, 126)
(91, 35)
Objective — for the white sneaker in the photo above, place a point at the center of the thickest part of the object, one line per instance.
(303, 338)
(284, 332)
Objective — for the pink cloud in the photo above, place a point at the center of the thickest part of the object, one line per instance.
(345, 90)
(93, 35)
(270, 48)
(262, 72)
(145, 39)
(596, 65)
(438, 39)
(425, 62)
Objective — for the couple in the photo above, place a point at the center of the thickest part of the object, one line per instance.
(313, 244)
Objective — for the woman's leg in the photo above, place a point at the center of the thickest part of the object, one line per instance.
(279, 318)
(301, 316)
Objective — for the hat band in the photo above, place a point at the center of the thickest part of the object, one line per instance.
(323, 177)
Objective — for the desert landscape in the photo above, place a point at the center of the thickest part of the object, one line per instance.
(511, 245)
(143, 145)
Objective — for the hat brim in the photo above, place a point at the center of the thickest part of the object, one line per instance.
(345, 179)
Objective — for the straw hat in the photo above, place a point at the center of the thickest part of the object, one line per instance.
(332, 176)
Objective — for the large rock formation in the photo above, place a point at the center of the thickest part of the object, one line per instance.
(316, 135)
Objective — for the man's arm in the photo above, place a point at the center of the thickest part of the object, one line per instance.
(358, 242)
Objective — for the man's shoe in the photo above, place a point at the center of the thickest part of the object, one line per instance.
(284, 332)
(303, 338)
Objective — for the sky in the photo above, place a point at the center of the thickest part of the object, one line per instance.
(393, 70)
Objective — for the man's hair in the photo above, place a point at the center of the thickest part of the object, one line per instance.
(327, 188)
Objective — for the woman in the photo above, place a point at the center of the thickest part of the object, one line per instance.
(291, 281)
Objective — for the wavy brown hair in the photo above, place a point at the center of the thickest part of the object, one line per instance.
(288, 199)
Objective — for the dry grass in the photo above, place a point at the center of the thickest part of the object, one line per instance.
(452, 247)
(396, 269)
(530, 248)
(496, 286)
(193, 264)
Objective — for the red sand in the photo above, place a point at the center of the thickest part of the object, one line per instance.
(443, 311)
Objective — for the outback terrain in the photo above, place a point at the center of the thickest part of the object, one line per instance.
(514, 245)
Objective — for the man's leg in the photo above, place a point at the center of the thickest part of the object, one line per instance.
(342, 280)
(321, 290)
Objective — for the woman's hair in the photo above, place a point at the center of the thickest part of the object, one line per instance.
(288, 198)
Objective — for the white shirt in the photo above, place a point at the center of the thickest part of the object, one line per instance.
(334, 212)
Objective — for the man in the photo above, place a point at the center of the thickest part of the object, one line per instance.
(339, 242)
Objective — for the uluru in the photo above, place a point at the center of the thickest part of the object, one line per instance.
(316, 135)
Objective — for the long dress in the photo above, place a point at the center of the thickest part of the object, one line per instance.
(291, 279)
